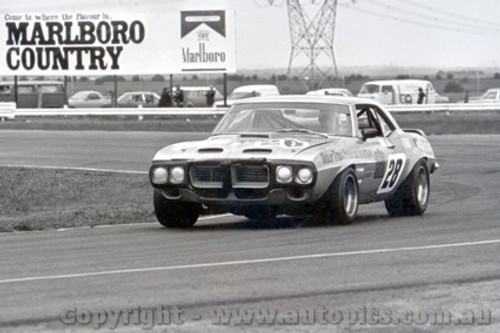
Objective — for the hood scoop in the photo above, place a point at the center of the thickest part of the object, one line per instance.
(210, 150)
(258, 151)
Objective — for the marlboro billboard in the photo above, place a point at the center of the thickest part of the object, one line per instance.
(117, 43)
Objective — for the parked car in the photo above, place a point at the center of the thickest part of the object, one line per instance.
(330, 92)
(490, 96)
(138, 99)
(89, 99)
(195, 96)
(34, 94)
(311, 156)
(253, 90)
(398, 91)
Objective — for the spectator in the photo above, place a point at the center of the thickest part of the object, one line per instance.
(179, 96)
(421, 96)
(165, 99)
(210, 95)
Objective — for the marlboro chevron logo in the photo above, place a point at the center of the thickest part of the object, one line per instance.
(203, 36)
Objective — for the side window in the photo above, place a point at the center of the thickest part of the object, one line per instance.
(93, 96)
(385, 123)
(49, 88)
(491, 94)
(26, 89)
(385, 127)
(4, 90)
(387, 89)
(367, 119)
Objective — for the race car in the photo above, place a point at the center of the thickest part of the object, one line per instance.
(311, 156)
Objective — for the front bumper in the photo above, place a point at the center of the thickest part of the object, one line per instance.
(237, 183)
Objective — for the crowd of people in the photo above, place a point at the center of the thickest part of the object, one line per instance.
(176, 98)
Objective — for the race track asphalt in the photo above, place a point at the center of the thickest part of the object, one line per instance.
(379, 274)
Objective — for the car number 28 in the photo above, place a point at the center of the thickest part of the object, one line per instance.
(395, 167)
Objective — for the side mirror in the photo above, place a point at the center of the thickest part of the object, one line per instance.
(369, 133)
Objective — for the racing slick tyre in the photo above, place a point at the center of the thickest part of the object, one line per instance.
(175, 214)
(412, 196)
(340, 203)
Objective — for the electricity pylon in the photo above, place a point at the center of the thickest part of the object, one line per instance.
(312, 42)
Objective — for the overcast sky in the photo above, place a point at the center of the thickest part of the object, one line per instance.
(426, 33)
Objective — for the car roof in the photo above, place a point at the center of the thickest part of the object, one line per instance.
(251, 87)
(327, 99)
(139, 92)
(408, 81)
(204, 88)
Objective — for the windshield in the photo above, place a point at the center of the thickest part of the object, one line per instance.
(303, 118)
(369, 89)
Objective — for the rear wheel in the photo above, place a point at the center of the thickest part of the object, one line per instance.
(340, 203)
(173, 214)
(412, 196)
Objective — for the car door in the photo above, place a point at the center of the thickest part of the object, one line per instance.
(381, 174)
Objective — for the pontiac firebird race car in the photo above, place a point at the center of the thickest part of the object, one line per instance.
(312, 156)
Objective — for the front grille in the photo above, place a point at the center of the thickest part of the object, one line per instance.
(214, 177)
(207, 175)
(251, 174)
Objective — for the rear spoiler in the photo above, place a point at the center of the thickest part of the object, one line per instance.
(414, 130)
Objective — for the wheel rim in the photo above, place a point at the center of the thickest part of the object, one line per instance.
(422, 187)
(350, 196)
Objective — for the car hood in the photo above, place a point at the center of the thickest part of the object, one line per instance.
(246, 147)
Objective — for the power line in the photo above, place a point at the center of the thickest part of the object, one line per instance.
(451, 22)
(461, 17)
(413, 22)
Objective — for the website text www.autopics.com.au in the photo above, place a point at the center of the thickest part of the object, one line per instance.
(161, 315)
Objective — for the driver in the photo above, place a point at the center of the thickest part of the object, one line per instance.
(330, 122)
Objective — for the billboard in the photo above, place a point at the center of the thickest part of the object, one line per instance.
(117, 43)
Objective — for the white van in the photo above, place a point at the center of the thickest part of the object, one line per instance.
(253, 90)
(398, 91)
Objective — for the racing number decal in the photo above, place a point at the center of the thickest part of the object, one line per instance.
(395, 166)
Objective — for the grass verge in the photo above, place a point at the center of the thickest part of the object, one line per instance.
(38, 199)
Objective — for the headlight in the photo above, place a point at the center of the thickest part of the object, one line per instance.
(177, 175)
(304, 176)
(159, 176)
(284, 174)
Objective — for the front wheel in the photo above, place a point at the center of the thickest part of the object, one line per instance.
(412, 196)
(340, 203)
(172, 214)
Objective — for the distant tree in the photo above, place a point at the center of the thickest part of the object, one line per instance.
(84, 79)
(255, 77)
(158, 78)
(449, 76)
(496, 76)
(453, 87)
(195, 77)
(438, 76)
(426, 77)
(464, 80)
(136, 78)
(403, 77)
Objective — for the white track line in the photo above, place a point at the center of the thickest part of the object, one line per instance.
(51, 167)
(248, 262)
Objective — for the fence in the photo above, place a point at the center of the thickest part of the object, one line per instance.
(8, 110)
